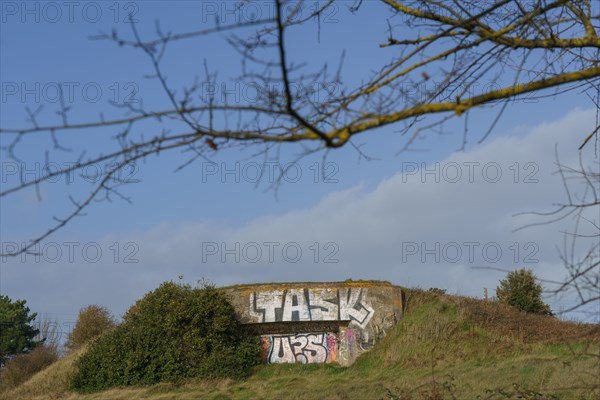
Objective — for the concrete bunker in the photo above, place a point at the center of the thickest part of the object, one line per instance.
(317, 322)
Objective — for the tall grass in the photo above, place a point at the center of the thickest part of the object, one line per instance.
(446, 347)
(24, 366)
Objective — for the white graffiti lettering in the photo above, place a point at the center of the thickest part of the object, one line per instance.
(344, 304)
(353, 308)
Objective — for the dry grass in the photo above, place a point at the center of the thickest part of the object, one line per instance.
(50, 383)
(445, 343)
(24, 366)
(529, 328)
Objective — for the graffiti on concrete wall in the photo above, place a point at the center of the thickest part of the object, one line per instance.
(299, 348)
(324, 304)
(347, 345)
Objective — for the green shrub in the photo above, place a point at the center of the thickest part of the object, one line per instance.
(521, 290)
(23, 366)
(92, 321)
(172, 333)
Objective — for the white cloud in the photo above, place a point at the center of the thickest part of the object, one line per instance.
(367, 230)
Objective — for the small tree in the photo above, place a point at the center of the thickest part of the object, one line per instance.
(16, 331)
(91, 322)
(521, 290)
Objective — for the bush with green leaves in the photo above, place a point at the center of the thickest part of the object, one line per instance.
(17, 333)
(521, 290)
(172, 333)
(92, 321)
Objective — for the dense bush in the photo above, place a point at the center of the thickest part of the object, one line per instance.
(92, 321)
(23, 366)
(521, 290)
(173, 332)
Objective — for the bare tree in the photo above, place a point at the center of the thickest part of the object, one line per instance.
(545, 47)
(580, 250)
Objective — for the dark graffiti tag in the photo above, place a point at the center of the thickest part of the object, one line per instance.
(300, 348)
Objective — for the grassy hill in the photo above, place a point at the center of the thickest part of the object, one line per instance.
(446, 347)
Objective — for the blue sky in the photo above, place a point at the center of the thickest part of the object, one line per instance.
(364, 213)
